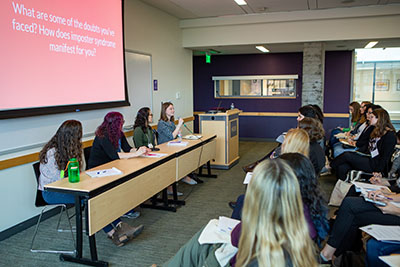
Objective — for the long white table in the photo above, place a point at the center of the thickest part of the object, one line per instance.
(107, 198)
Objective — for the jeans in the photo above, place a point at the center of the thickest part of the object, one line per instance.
(338, 149)
(237, 211)
(62, 198)
(378, 248)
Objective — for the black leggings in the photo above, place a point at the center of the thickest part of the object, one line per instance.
(355, 212)
(350, 161)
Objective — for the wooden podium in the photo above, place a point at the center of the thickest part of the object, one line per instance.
(226, 126)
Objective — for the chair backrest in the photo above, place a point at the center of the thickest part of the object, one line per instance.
(86, 154)
(39, 201)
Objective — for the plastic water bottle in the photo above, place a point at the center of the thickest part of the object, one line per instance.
(179, 136)
(232, 106)
(73, 171)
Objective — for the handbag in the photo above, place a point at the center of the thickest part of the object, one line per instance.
(342, 187)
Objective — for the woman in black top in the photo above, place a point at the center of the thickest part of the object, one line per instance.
(108, 145)
(316, 133)
(376, 155)
(110, 142)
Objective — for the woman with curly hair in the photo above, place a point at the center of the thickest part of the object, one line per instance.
(142, 131)
(316, 133)
(54, 157)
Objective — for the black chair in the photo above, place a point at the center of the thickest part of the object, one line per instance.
(40, 202)
(86, 154)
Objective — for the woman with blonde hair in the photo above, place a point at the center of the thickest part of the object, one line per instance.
(296, 141)
(273, 231)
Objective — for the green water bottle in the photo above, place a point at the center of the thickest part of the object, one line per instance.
(73, 170)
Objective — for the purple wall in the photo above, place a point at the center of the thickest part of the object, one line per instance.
(336, 98)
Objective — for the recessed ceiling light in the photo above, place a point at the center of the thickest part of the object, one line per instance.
(371, 44)
(241, 2)
(262, 48)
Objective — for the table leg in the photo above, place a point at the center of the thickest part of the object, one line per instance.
(208, 175)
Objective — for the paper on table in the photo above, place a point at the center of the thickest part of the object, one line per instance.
(248, 177)
(192, 136)
(154, 155)
(383, 232)
(177, 143)
(103, 173)
(392, 260)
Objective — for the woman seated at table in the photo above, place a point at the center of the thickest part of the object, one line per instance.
(375, 157)
(167, 130)
(273, 231)
(110, 144)
(316, 133)
(54, 157)
(142, 131)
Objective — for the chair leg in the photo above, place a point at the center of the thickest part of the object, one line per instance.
(53, 251)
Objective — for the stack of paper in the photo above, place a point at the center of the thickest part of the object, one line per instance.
(192, 136)
(177, 143)
(154, 155)
(218, 231)
(103, 173)
(383, 232)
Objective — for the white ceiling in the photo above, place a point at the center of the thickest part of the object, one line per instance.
(195, 9)
(191, 9)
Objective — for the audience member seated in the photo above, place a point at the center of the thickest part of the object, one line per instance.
(142, 131)
(376, 156)
(354, 213)
(315, 210)
(375, 249)
(273, 231)
(110, 144)
(316, 133)
(355, 115)
(296, 141)
(167, 131)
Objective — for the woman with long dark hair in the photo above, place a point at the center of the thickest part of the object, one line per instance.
(54, 157)
(142, 131)
(376, 155)
(316, 133)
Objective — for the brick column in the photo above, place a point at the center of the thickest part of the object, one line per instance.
(313, 74)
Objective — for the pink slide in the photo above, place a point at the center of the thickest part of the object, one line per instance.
(60, 52)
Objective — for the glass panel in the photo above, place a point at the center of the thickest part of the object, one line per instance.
(377, 78)
(255, 87)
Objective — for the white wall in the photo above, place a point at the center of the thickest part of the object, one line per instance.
(147, 30)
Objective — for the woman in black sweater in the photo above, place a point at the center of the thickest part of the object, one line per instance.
(375, 156)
